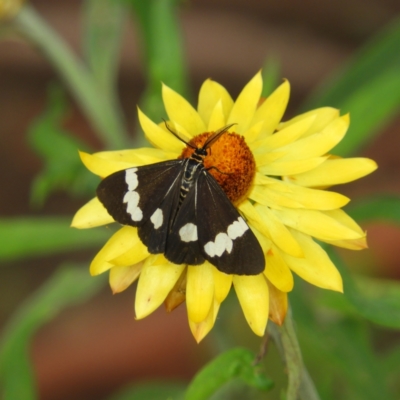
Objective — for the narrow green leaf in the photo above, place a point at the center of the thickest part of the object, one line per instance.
(163, 51)
(300, 384)
(235, 363)
(37, 236)
(376, 208)
(368, 87)
(62, 170)
(151, 391)
(376, 300)
(103, 21)
(337, 348)
(370, 107)
(271, 73)
(102, 112)
(68, 286)
(390, 361)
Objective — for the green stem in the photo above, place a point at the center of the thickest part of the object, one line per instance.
(103, 114)
(300, 384)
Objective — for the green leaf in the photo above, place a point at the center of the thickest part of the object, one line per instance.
(103, 21)
(271, 73)
(368, 87)
(102, 112)
(38, 236)
(235, 363)
(163, 51)
(378, 208)
(58, 149)
(151, 391)
(376, 300)
(68, 286)
(300, 384)
(337, 349)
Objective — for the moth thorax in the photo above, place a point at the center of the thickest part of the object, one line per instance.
(229, 160)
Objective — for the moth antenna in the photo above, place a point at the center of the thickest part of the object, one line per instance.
(216, 135)
(177, 136)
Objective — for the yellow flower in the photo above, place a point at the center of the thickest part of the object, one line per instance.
(286, 205)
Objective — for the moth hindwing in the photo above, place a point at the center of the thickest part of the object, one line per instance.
(181, 211)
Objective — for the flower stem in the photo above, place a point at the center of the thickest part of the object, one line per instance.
(104, 115)
(300, 384)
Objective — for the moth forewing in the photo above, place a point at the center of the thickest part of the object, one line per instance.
(132, 196)
(226, 239)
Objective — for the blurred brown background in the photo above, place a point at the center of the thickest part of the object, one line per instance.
(90, 350)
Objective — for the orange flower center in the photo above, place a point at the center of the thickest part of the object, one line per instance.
(229, 160)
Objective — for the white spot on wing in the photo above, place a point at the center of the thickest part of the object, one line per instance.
(131, 178)
(157, 218)
(188, 232)
(131, 197)
(137, 214)
(237, 228)
(224, 241)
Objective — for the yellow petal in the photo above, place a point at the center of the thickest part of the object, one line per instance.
(179, 110)
(178, 293)
(136, 157)
(278, 304)
(252, 133)
(252, 292)
(319, 224)
(157, 136)
(353, 244)
(199, 291)
(265, 242)
(284, 194)
(317, 144)
(280, 168)
(122, 277)
(135, 254)
(272, 109)
(278, 232)
(100, 166)
(271, 228)
(322, 117)
(217, 118)
(263, 159)
(316, 267)
(122, 240)
(285, 136)
(260, 179)
(155, 282)
(346, 220)
(277, 271)
(210, 94)
(245, 106)
(90, 215)
(222, 284)
(336, 171)
(253, 218)
(201, 329)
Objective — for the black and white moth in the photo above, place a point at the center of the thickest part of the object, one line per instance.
(181, 211)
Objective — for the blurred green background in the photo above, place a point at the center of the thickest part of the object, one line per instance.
(64, 335)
